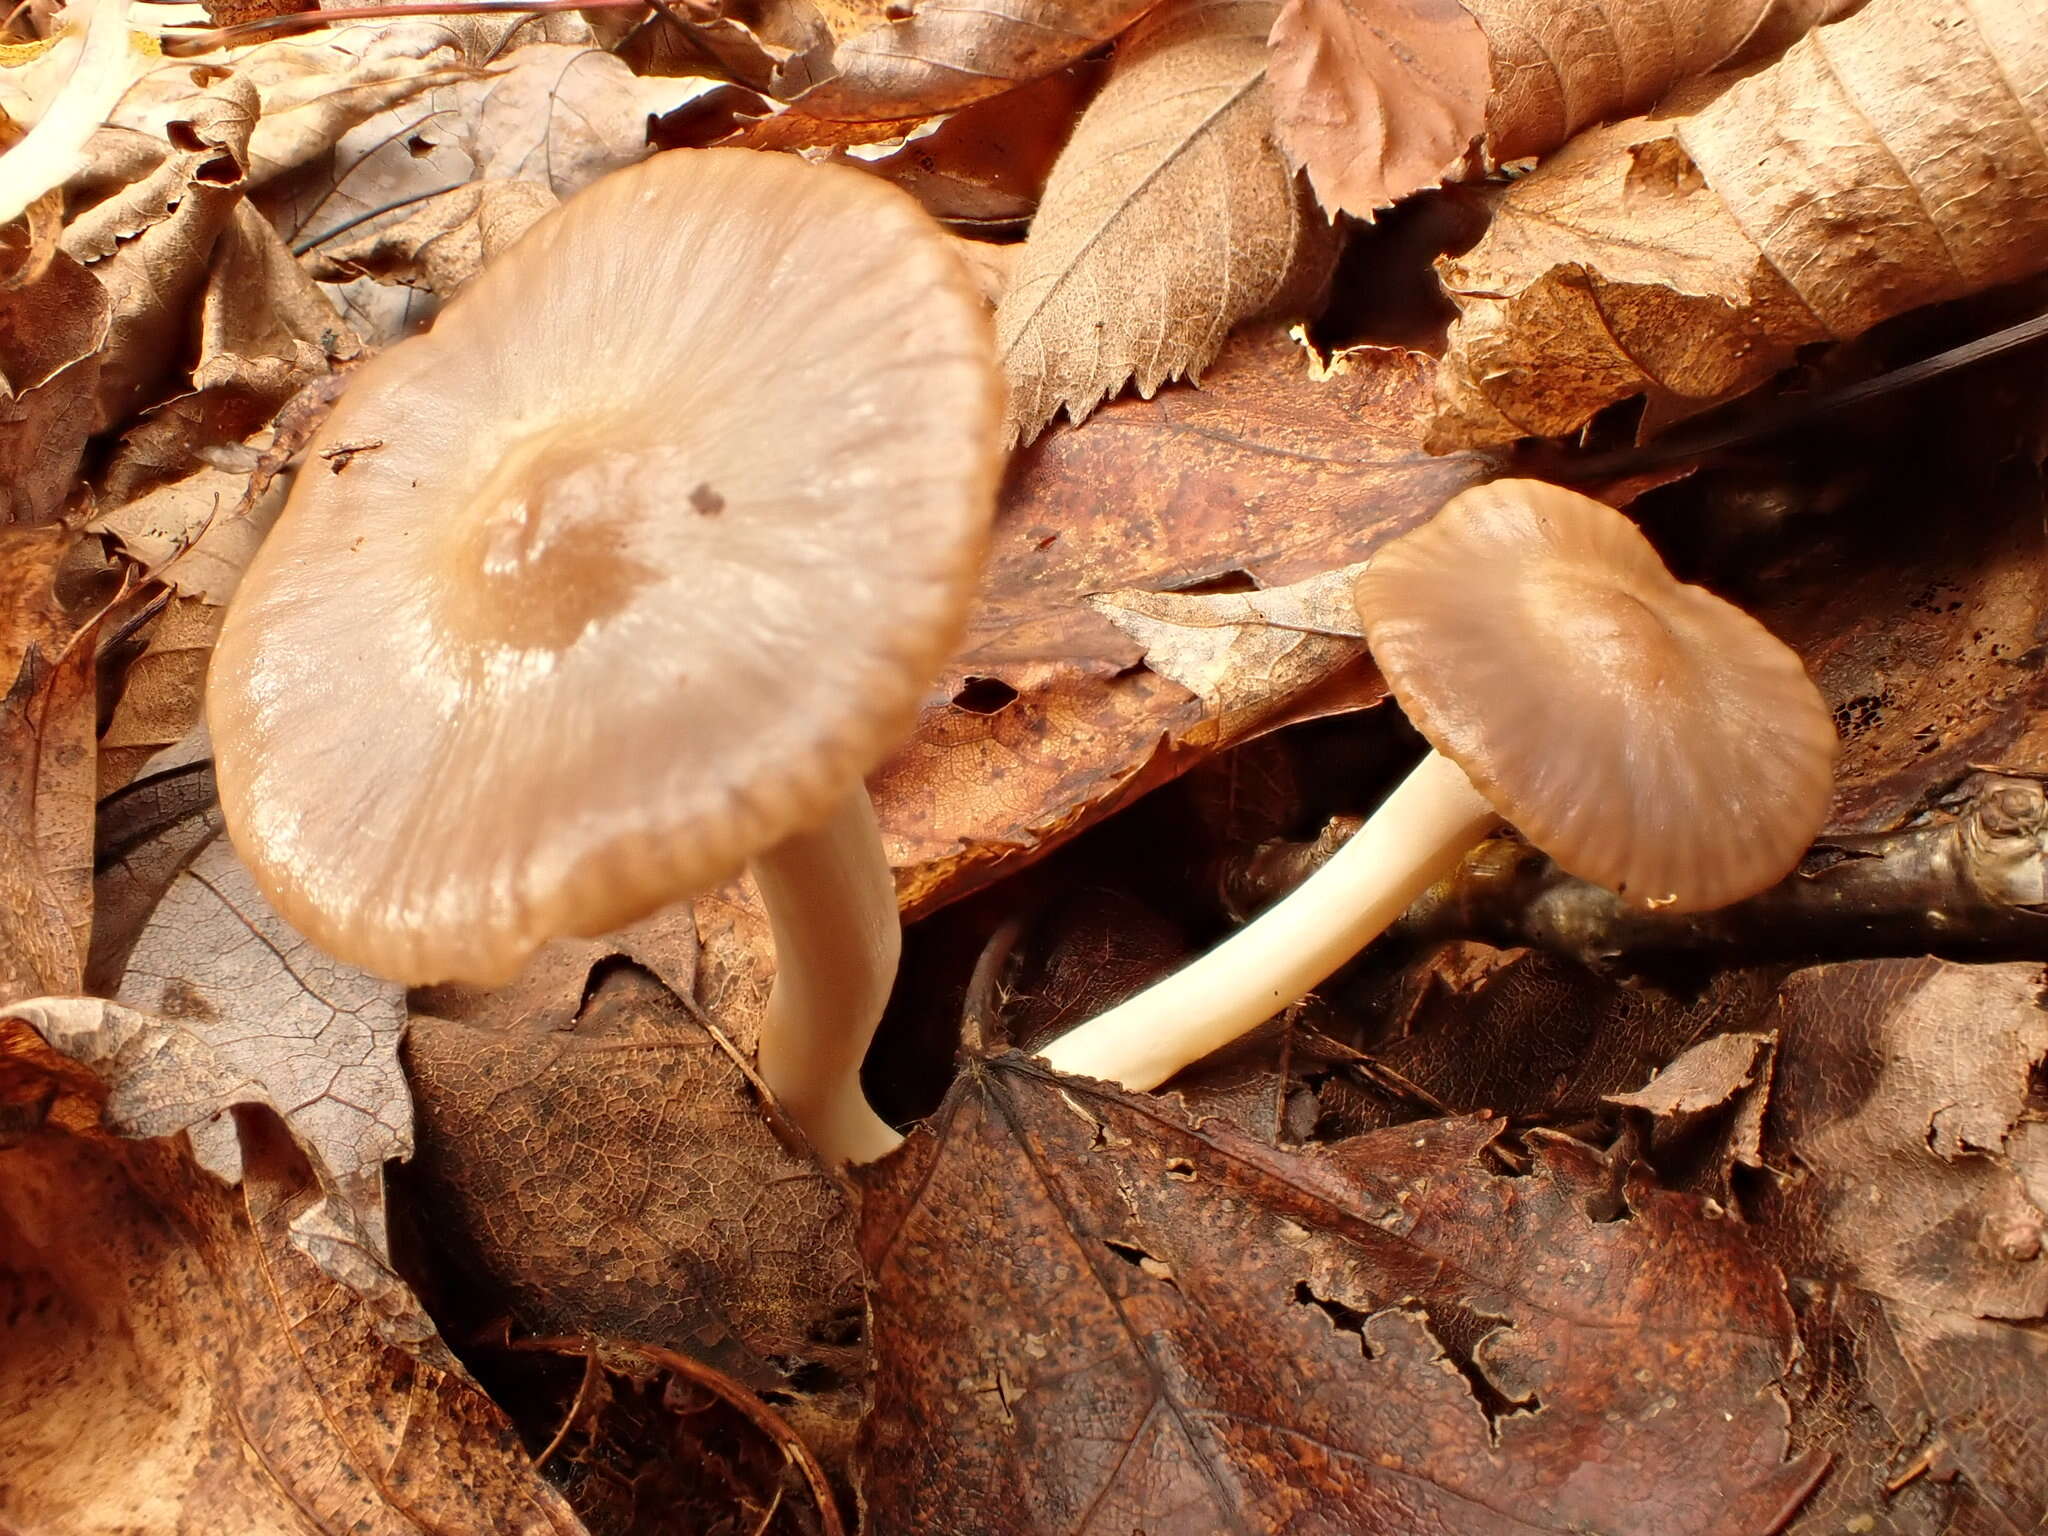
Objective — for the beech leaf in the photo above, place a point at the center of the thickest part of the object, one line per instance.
(1170, 217)
(1886, 161)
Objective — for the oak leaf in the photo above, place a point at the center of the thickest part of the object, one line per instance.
(1885, 161)
(1093, 1313)
(1170, 217)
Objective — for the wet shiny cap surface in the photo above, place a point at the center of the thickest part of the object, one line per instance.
(1646, 734)
(669, 522)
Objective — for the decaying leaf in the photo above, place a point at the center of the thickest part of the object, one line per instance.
(170, 1361)
(222, 1004)
(51, 331)
(943, 56)
(1241, 653)
(1093, 1314)
(1379, 101)
(1170, 217)
(160, 695)
(46, 768)
(1907, 1114)
(1886, 161)
(150, 243)
(1049, 720)
(613, 1173)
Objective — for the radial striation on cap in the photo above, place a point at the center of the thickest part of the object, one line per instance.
(1645, 734)
(646, 553)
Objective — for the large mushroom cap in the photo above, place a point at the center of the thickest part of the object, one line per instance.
(647, 552)
(1645, 734)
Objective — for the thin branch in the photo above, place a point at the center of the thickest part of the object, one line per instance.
(1970, 883)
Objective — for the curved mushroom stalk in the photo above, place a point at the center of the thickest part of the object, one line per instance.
(831, 904)
(1410, 843)
(1646, 734)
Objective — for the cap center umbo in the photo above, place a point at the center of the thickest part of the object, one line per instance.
(547, 547)
(1598, 621)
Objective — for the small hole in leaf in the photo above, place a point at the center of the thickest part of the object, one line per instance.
(985, 696)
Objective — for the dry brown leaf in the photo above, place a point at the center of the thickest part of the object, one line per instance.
(1048, 720)
(612, 1173)
(1886, 161)
(1378, 101)
(221, 1003)
(1170, 217)
(946, 55)
(553, 115)
(51, 333)
(171, 1362)
(46, 768)
(1093, 1313)
(195, 533)
(1245, 653)
(161, 691)
(1907, 1102)
(150, 244)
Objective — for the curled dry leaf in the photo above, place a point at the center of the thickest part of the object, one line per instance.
(151, 243)
(1380, 100)
(1091, 1313)
(46, 768)
(1170, 217)
(51, 331)
(171, 1360)
(612, 1173)
(943, 56)
(1047, 719)
(160, 691)
(1886, 161)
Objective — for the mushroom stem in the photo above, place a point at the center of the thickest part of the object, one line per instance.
(1411, 842)
(831, 904)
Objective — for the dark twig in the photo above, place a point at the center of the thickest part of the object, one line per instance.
(1968, 884)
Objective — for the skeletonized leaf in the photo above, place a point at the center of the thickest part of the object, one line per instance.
(1170, 217)
(1886, 161)
(946, 55)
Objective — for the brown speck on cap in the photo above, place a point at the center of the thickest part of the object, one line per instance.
(1645, 734)
(562, 682)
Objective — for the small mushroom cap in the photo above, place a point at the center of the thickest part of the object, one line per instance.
(1645, 734)
(644, 556)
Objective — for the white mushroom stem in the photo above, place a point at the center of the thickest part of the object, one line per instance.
(831, 904)
(1410, 843)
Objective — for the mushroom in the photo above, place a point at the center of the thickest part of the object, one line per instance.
(1647, 735)
(619, 580)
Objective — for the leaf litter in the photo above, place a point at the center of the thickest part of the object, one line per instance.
(1541, 1216)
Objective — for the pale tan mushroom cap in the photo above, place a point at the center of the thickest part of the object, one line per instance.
(649, 552)
(1647, 735)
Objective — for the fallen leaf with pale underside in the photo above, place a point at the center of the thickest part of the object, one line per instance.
(1886, 161)
(1170, 217)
